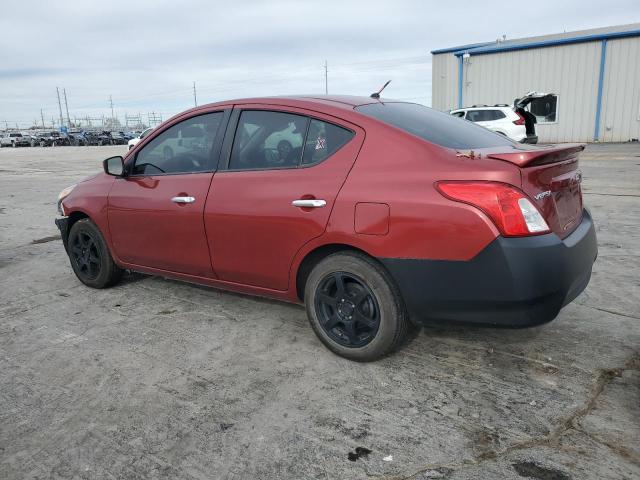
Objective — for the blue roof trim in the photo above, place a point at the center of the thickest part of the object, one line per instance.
(500, 47)
(461, 47)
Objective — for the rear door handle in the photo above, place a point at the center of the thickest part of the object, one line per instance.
(183, 199)
(311, 203)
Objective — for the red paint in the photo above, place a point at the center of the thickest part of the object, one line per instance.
(243, 234)
(148, 229)
(371, 218)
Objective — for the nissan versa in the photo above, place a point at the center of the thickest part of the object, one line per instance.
(378, 215)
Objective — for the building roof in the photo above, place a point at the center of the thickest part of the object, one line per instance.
(617, 31)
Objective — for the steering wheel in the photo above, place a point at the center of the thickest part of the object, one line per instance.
(150, 165)
(196, 160)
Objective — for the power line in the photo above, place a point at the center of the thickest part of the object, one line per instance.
(59, 105)
(66, 105)
(111, 103)
(326, 79)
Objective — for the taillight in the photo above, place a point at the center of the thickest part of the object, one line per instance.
(520, 120)
(509, 208)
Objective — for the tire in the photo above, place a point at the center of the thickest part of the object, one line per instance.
(381, 324)
(89, 255)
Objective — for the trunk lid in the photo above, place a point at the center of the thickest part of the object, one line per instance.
(526, 99)
(550, 176)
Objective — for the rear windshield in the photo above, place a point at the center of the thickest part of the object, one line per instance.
(433, 126)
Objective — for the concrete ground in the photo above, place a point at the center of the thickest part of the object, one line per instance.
(160, 379)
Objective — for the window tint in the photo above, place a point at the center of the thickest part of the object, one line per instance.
(458, 114)
(433, 126)
(184, 148)
(268, 140)
(323, 140)
(545, 109)
(484, 115)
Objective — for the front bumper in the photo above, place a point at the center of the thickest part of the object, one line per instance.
(63, 225)
(516, 282)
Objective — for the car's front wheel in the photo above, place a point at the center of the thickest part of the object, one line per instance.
(355, 308)
(90, 257)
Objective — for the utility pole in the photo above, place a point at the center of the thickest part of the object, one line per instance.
(195, 99)
(42, 117)
(66, 106)
(326, 79)
(112, 115)
(59, 106)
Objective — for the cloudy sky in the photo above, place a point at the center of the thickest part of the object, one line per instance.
(147, 54)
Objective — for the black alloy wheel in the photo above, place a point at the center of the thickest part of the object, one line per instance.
(347, 309)
(86, 255)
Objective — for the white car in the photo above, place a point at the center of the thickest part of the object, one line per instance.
(14, 140)
(134, 141)
(516, 122)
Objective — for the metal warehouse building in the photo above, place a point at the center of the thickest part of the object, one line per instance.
(595, 75)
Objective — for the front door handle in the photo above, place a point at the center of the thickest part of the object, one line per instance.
(311, 203)
(183, 199)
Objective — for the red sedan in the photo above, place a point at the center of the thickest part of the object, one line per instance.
(378, 215)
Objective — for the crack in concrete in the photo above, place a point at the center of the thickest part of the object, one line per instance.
(603, 378)
(612, 312)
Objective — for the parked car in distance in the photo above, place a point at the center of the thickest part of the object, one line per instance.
(78, 138)
(117, 138)
(14, 139)
(53, 138)
(515, 122)
(98, 138)
(385, 216)
(134, 141)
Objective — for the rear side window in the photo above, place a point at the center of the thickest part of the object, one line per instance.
(484, 115)
(323, 140)
(433, 126)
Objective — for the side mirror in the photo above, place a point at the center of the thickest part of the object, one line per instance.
(114, 166)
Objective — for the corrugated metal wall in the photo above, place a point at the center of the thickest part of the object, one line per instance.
(571, 71)
(620, 116)
(444, 81)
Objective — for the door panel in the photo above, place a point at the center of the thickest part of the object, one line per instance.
(156, 212)
(252, 227)
(149, 229)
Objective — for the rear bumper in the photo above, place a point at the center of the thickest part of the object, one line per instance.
(516, 282)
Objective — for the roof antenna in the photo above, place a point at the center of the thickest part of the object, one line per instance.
(377, 94)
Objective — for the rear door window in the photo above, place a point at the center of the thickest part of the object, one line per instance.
(484, 115)
(268, 139)
(434, 126)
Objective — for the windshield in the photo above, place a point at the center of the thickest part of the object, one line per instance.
(433, 126)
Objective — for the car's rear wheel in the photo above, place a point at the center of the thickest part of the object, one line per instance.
(90, 257)
(355, 308)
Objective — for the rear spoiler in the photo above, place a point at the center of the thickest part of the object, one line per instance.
(541, 156)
